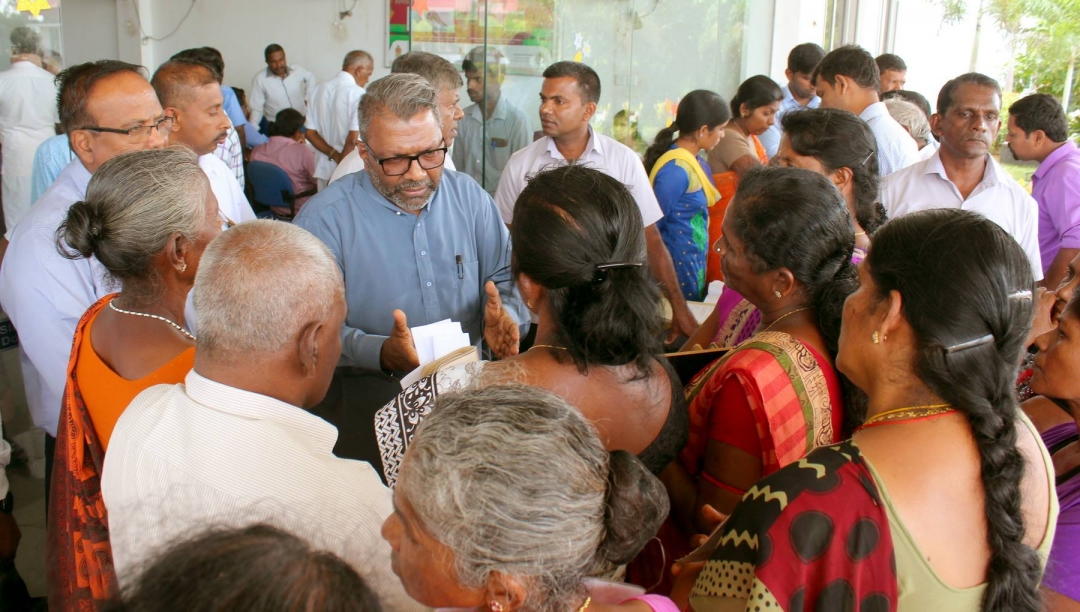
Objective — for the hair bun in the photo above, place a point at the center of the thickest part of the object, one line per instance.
(636, 505)
(83, 228)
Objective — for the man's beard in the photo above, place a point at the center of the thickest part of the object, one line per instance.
(394, 193)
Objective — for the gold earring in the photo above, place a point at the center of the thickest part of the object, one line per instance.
(184, 268)
(876, 338)
(777, 294)
(495, 606)
(528, 304)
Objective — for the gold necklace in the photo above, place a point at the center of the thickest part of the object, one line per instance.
(781, 318)
(588, 600)
(908, 413)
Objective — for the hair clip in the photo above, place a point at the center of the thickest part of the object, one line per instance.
(867, 158)
(1022, 294)
(963, 346)
(620, 264)
(600, 275)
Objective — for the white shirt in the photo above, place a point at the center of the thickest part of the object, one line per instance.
(602, 153)
(928, 151)
(352, 163)
(271, 94)
(333, 114)
(232, 202)
(27, 118)
(896, 149)
(186, 457)
(997, 197)
(46, 294)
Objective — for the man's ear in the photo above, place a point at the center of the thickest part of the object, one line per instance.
(590, 108)
(82, 144)
(308, 349)
(935, 124)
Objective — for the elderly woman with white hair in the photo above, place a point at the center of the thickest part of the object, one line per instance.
(507, 501)
(147, 218)
(912, 119)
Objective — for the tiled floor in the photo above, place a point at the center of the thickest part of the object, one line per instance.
(30, 513)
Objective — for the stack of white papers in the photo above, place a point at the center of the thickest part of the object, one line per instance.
(438, 339)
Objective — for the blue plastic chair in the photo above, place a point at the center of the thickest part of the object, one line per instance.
(272, 189)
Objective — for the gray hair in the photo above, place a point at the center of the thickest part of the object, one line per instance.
(402, 96)
(353, 58)
(513, 479)
(910, 116)
(25, 40)
(258, 285)
(134, 203)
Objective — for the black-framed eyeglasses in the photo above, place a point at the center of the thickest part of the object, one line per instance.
(397, 166)
(138, 133)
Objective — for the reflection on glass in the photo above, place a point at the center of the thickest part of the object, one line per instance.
(647, 53)
(493, 128)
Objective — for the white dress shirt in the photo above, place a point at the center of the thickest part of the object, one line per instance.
(602, 153)
(352, 163)
(46, 294)
(232, 202)
(186, 457)
(271, 94)
(896, 149)
(27, 118)
(333, 114)
(925, 185)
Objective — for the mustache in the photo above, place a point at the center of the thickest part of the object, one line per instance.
(412, 185)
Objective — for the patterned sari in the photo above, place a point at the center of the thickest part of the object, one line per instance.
(788, 391)
(813, 536)
(80, 569)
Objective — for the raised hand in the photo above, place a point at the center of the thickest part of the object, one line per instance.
(399, 352)
(500, 330)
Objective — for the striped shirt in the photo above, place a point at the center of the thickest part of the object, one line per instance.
(186, 457)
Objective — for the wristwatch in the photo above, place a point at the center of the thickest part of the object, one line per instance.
(8, 503)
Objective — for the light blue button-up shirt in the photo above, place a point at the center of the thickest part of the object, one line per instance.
(771, 138)
(395, 259)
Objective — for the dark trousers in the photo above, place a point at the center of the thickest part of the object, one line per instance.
(350, 405)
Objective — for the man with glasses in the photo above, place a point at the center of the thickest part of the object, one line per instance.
(416, 245)
(106, 108)
(191, 94)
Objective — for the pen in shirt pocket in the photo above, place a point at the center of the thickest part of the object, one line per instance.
(460, 267)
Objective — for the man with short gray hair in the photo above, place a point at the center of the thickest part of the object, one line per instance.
(417, 245)
(912, 119)
(235, 445)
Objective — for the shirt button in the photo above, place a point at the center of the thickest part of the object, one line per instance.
(429, 283)
(422, 253)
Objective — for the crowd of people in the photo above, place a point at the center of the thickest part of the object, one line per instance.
(226, 422)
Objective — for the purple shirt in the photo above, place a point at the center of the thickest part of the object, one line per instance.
(1056, 187)
(1063, 568)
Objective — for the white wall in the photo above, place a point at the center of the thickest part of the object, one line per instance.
(242, 29)
(89, 31)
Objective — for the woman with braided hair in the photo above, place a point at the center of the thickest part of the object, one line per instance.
(944, 498)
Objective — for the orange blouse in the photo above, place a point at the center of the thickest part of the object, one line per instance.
(107, 394)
